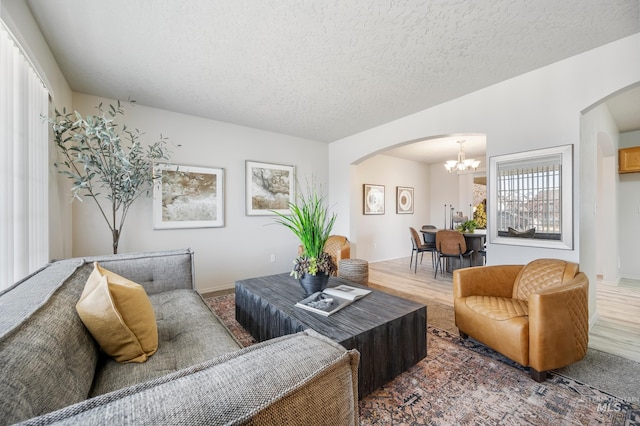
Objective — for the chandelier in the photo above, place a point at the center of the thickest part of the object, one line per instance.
(462, 163)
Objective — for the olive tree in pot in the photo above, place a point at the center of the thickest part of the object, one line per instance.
(98, 155)
(312, 223)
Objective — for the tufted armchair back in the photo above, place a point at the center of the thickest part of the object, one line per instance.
(540, 274)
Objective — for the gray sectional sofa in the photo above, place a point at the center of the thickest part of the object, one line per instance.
(53, 372)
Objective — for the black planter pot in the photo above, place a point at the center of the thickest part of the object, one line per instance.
(313, 283)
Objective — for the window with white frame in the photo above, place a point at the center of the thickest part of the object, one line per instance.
(530, 200)
(530, 197)
(24, 229)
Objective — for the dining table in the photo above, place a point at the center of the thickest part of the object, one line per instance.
(475, 240)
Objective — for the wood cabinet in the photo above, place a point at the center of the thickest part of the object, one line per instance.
(629, 160)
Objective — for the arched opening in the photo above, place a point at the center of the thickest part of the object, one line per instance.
(418, 165)
(609, 207)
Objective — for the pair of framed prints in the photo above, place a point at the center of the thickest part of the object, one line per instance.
(374, 200)
(193, 197)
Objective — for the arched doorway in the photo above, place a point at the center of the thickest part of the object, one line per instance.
(419, 165)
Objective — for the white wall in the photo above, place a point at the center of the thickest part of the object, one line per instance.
(240, 249)
(536, 110)
(598, 220)
(629, 214)
(380, 237)
(450, 189)
(599, 248)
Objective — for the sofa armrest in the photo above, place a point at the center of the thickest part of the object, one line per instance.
(495, 280)
(303, 378)
(559, 319)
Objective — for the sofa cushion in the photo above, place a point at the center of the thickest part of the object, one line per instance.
(316, 384)
(491, 331)
(188, 333)
(119, 316)
(497, 308)
(48, 360)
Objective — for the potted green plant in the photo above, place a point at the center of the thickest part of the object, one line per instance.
(312, 223)
(468, 226)
(104, 161)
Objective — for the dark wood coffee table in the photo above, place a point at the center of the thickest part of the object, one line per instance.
(389, 332)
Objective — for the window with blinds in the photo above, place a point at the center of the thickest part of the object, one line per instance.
(531, 198)
(24, 165)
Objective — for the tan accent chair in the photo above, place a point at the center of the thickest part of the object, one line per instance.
(535, 314)
(338, 247)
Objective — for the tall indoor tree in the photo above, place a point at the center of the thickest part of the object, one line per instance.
(106, 162)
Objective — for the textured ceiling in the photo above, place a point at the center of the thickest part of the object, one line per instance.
(317, 69)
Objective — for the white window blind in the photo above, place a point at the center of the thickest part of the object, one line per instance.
(24, 229)
(530, 197)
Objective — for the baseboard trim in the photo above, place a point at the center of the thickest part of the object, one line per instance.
(213, 292)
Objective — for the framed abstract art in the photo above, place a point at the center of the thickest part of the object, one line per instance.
(269, 187)
(373, 201)
(404, 200)
(188, 197)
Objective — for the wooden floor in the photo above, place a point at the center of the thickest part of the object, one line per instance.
(616, 331)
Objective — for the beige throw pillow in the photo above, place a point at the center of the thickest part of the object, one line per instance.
(118, 314)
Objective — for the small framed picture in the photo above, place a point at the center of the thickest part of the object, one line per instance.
(188, 197)
(269, 188)
(404, 200)
(373, 199)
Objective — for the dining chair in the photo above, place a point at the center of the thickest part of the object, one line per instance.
(451, 244)
(429, 237)
(419, 247)
(483, 253)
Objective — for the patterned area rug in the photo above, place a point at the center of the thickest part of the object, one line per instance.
(464, 382)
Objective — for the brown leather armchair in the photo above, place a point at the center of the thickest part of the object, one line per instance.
(535, 314)
(337, 246)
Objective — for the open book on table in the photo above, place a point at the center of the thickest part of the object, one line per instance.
(332, 299)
